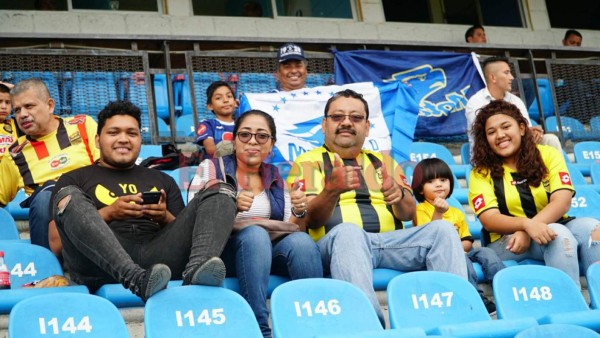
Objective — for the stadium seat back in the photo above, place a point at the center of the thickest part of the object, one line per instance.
(557, 331)
(536, 291)
(577, 177)
(8, 227)
(185, 125)
(66, 315)
(163, 128)
(465, 153)
(587, 152)
(319, 306)
(29, 262)
(199, 311)
(149, 150)
(14, 206)
(585, 203)
(256, 83)
(593, 280)
(92, 91)
(595, 124)
(161, 99)
(429, 299)
(547, 103)
(595, 173)
(422, 150)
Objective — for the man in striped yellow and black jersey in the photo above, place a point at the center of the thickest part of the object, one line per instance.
(50, 147)
(357, 200)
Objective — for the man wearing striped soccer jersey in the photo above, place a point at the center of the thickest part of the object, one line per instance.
(50, 146)
(357, 200)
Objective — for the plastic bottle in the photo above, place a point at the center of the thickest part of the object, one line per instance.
(4, 273)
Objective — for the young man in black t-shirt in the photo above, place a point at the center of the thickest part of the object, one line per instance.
(108, 234)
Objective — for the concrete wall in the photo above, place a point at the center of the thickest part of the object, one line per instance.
(180, 22)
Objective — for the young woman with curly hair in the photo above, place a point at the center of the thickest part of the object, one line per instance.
(521, 193)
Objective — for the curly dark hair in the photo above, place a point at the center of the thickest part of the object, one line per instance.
(484, 160)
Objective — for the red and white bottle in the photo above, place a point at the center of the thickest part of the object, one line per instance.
(4, 273)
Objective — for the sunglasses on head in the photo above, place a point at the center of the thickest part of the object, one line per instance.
(261, 138)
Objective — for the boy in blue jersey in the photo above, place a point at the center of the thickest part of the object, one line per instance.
(216, 135)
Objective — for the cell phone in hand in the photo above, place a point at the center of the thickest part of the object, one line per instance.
(151, 197)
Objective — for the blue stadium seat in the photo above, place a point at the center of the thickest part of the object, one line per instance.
(161, 96)
(422, 150)
(595, 173)
(8, 227)
(185, 126)
(149, 150)
(545, 293)
(595, 124)
(445, 304)
(572, 128)
(256, 83)
(382, 277)
(319, 79)
(92, 91)
(320, 306)
(585, 203)
(132, 87)
(193, 311)
(15, 209)
(547, 103)
(557, 331)
(66, 315)
(465, 153)
(586, 153)
(29, 263)
(183, 100)
(163, 128)
(183, 176)
(122, 297)
(593, 279)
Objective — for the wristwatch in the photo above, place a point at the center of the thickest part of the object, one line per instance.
(300, 215)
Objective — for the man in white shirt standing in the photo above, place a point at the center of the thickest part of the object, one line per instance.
(498, 78)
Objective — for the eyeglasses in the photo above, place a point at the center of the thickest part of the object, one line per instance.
(354, 118)
(261, 138)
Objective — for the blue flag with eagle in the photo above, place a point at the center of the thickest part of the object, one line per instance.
(298, 115)
(443, 83)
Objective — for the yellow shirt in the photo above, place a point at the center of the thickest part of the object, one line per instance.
(8, 134)
(512, 195)
(424, 215)
(364, 206)
(30, 163)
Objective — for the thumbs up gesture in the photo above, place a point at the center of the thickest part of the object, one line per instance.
(297, 197)
(244, 200)
(343, 178)
(392, 193)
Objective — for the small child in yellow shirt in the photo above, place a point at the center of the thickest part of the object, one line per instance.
(432, 183)
(8, 127)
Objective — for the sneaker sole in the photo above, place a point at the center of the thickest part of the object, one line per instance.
(159, 278)
(211, 273)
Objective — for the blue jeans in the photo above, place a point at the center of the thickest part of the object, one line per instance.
(247, 254)
(489, 260)
(349, 253)
(561, 253)
(39, 217)
(95, 255)
(588, 249)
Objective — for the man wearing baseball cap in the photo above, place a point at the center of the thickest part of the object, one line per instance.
(292, 67)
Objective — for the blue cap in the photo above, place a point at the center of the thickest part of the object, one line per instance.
(290, 51)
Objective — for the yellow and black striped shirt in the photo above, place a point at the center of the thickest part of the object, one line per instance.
(513, 196)
(8, 134)
(29, 163)
(364, 206)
